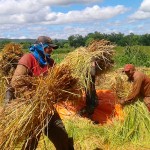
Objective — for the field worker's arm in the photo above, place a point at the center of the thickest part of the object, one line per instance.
(135, 89)
(20, 77)
(93, 71)
(93, 67)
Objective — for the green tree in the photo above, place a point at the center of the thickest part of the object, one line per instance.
(76, 41)
(3, 43)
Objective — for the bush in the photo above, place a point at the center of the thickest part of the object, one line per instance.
(133, 55)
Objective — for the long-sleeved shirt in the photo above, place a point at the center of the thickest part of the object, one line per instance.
(141, 86)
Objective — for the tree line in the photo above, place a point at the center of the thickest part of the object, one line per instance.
(78, 40)
(119, 39)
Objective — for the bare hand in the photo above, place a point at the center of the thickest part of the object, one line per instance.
(122, 102)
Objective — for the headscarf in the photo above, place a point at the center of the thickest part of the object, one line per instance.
(38, 52)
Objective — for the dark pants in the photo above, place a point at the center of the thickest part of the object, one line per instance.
(56, 133)
(91, 97)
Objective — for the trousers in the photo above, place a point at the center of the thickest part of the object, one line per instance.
(91, 96)
(56, 133)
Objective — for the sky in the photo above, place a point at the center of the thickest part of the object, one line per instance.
(59, 19)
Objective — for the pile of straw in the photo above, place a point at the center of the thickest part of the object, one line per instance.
(10, 55)
(29, 113)
(99, 45)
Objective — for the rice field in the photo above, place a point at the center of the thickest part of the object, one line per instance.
(131, 132)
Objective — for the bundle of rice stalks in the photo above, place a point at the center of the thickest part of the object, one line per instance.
(133, 131)
(23, 116)
(115, 81)
(99, 45)
(122, 87)
(9, 58)
(81, 59)
(104, 59)
(20, 119)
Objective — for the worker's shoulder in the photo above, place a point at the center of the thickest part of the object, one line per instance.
(139, 74)
(27, 60)
(27, 57)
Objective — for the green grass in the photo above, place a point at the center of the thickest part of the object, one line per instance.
(119, 49)
(132, 133)
(63, 50)
(58, 57)
(137, 55)
(134, 130)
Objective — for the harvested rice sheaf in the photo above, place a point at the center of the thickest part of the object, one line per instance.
(80, 60)
(27, 115)
(10, 55)
(122, 87)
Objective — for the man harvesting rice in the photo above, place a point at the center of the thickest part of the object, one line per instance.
(98, 66)
(141, 86)
(90, 94)
(33, 64)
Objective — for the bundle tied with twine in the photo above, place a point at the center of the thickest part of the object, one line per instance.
(32, 111)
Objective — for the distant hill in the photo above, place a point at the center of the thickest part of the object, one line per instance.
(18, 40)
(27, 40)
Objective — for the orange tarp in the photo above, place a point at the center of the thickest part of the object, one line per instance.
(105, 111)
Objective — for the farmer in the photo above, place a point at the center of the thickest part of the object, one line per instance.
(141, 86)
(36, 63)
(90, 93)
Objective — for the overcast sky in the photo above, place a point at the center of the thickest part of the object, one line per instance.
(61, 18)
